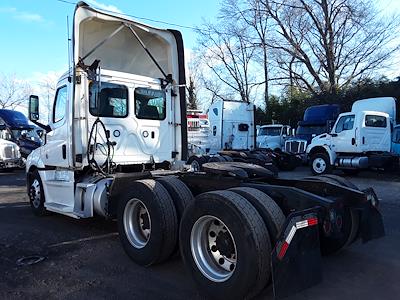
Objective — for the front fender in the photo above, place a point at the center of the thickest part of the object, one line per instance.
(34, 159)
(322, 148)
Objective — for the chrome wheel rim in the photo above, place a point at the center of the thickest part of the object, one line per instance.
(35, 193)
(213, 248)
(137, 223)
(319, 165)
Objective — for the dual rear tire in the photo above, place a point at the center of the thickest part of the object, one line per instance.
(225, 237)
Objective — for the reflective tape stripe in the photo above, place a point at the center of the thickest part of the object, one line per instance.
(292, 232)
(302, 224)
(291, 235)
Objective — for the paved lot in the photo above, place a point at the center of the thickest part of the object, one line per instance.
(84, 259)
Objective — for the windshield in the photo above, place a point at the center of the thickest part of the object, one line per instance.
(270, 131)
(25, 133)
(310, 130)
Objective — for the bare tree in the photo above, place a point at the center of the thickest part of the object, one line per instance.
(47, 86)
(227, 55)
(13, 92)
(324, 45)
(249, 12)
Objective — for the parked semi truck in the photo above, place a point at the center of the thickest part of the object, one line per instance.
(273, 136)
(10, 156)
(14, 126)
(114, 147)
(317, 120)
(199, 133)
(359, 139)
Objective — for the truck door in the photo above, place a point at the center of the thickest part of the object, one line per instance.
(344, 138)
(375, 132)
(56, 149)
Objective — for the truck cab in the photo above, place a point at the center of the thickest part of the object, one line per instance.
(359, 139)
(121, 107)
(14, 126)
(317, 120)
(232, 126)
(273, 136)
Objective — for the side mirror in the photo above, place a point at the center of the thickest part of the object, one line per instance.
(33, 108)
(284, 136)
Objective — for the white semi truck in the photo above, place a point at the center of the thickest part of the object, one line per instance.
(273, 136)
(117, 132)
(359, 139)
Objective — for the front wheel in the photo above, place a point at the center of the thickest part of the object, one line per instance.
(36, 194)
(320, 164)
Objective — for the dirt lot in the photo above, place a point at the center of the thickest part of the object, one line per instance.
(84, 259)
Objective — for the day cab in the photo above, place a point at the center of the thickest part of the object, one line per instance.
(359, 139)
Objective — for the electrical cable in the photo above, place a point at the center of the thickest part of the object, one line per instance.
(136, 17)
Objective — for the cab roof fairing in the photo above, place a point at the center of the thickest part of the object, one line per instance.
(123, 52)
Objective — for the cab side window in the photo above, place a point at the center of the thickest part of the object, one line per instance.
(60, 104)
(345, 123)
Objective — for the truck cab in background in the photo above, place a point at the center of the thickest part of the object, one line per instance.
(198, 127)
(232, 125)
(317, 120)
(16, 128)
(359, 139)
(273, 136)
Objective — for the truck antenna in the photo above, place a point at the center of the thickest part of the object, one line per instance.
(69, 51)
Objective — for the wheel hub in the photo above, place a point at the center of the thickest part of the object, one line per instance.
(35, 193)
(213, 248)
(137, 223)
(224, 244)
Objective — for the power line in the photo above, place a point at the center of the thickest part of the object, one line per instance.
(136, 17)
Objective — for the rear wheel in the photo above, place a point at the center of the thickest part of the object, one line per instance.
(267, 208)
(350, 220)
(320, 164)
(225, 246)
(196, 162)
(147, 222)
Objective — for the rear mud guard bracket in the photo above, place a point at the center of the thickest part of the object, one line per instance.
(296, 258)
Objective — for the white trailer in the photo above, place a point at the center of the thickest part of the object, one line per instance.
(117, 132)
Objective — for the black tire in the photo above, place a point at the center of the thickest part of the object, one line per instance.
(251, 238)
(267, 208)
(351, 221)
(161, 217)
(320, 156)
(179, 192)
(196, 161)
(216, 158)
(227, 158)
(36, 194)
(341, 181)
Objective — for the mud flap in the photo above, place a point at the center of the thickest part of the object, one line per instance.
(371, 222)
(296, 258)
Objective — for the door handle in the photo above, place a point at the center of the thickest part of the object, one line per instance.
(64, 151)
(353, 141)
(363, 140)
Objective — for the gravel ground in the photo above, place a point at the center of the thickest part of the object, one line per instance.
(84, 259)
